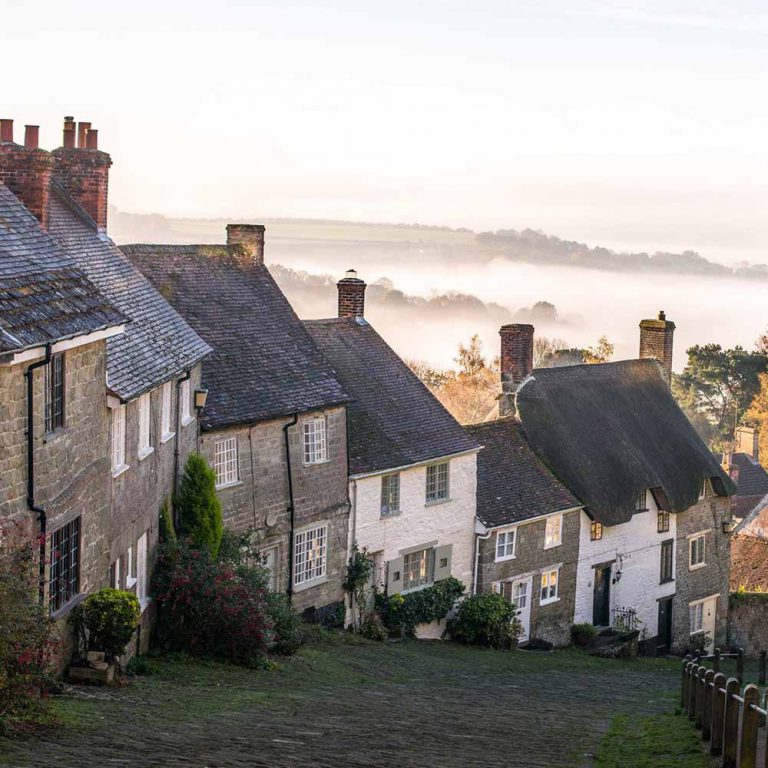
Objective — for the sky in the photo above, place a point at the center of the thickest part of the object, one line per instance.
(631, 124)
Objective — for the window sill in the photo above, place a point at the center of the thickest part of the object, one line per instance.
(696, 567)
(51, 437)
(130, 583)
(505, 558)
(60, 613)
(225, 486)
(167, 436)
(411, 590)
(554, 546)
(393, 513)
(187, 420)
(315, 463)
(667, 581)
(144, 452)
(436, 502)
(117, 471)
(309, 584)
(549, 601)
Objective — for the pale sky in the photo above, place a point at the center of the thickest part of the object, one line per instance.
(637, 124)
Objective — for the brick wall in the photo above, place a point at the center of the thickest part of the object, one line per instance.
(351, 297)
(656, 337)
(748, 622)
(84, 173)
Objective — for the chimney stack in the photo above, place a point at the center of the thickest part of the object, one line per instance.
(26, 170)
(351, 295)
(516, 362)
(84, 171)
(656, 338)
(247, 238)
(745, 440)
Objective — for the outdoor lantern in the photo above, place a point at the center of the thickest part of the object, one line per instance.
(729, 525)
(201, 396)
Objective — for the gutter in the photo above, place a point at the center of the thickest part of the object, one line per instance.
(42, 517)
(176, 450)
(291, 506)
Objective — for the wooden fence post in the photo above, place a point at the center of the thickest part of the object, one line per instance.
(740, 666)
(706, 715)
(718, 712)
(684, 684)
(694, 673)
(716, 661)
(750, 722)
(731, 723)
(700, 694)
(761, 670)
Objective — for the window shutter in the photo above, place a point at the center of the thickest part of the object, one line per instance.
(395, 576)
(443, 561)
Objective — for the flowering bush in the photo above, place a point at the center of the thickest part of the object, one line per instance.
(26, 643)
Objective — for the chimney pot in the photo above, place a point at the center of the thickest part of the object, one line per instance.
(746, 441)
(248, 238)
(351, 295)
(82, 132)
(31, 136)
(6, 130)
(656, 341)
(92, 139)
(69, 132)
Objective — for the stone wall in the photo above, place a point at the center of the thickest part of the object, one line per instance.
(748, 622)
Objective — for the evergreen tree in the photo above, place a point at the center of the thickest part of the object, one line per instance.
(197, 506)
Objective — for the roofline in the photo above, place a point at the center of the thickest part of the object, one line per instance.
(488, 528)
(759, 507)
(273, 417)
(33, 352)
(422, 463)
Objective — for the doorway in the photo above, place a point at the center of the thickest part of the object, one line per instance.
(664, 634)
(601, 599)
(521, 597)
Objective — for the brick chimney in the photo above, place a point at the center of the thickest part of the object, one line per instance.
(656, 338)
(351, 295)
(248, 238)
(26, 170)
(83, 170)
(516, 362)
(745, 441)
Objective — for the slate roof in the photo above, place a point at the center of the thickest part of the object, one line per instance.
(43, 296)
(749, 563)
(264, 364)
(394, 420)
(612, 430)
(750, 477)
(512, 483)
(158, 344)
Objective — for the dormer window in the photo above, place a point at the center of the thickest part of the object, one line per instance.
(315, 441)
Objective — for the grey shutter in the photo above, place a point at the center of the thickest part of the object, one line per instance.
(443, 561)
(395, 576)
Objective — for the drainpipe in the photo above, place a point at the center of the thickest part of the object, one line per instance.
(176, 449)
(42, 518)
(478, 539)
(291, 507)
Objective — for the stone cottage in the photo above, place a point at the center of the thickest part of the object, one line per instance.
(654, 547)
(528, 527)
(412, 468)
(274, 427)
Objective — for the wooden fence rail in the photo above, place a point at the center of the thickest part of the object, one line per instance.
(730, 719)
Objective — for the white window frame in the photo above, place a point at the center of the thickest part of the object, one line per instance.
(185, 401)
(226, 466)
(703, 490)
(503, 545)
(116, 571)
(145, 425)
(310, 555)
(166, 403)
(546, 585)
(553, 531)
(390, 479)
(701, 550)
(141, 570)
(696, 617)
(130, 579)
(118, 441)
(426, 554)
(265, 555)
(437, 498)
(314, 441)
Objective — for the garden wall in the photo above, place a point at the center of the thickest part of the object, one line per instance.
(748, 621)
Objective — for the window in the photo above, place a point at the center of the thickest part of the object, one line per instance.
(437, 482)
(165, 413)
(118, 440)
(145, 421)
(315, 441)
(185, 401)
(596, 531)
(520, 595)
(269, 561)
(390, 495)
(64, 580)
(640, 502)
(662, 522)
(417, 568)
(225, 462)
(703, 490)
(141, 568)
(696, 547)
(114, 574)
(549, 581)
(667, 550)
(553, 535)
(697, 618)
(54, 393)
(310, 553)
(505, 544)
(129, 577)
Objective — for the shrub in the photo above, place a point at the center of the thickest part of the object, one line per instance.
(358, 581)
(198, 507)
(110, 617)
(167, 529)
(486, 619)
(139, 666)
(287, 626)
(582, 634)
(402, 613)
(373, 628)
(26, 644)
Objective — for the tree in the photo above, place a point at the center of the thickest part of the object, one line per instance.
(719, 384)
(757, 414)
(198, 507)
(434, 378)
(602, 352)
(544, 348)
(470, 358)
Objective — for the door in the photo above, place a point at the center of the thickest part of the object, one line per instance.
(664, 635)
(521, 597)
(601, 600)
(709, 614)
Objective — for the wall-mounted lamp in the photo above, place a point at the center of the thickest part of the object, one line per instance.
(201, 397)
(729, 525)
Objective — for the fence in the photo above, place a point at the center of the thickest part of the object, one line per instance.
(624, 619)
(729, 719)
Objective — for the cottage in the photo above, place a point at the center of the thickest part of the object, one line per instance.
(528, 524)
(412, 468)
(274, 425)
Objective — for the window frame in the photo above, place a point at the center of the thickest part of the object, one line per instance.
(545, 584)
(145, 425)
(54, 410)
(314, 451)
(118, 452)
(437, 468)
(700, 551)
(411, 585)
(693, 610)
(69, 536)
(140, 577)
(300, 561)
(595, 530)
(551, 544)
(667, 548)
(386, 508)
(166, 408)
(506, 554)
(273, 583)
(223, 462)
(185, 401)
(641, 501)
(662, 521)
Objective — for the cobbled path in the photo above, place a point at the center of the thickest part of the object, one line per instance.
(355, 706)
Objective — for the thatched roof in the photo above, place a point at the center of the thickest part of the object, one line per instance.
(612, 430)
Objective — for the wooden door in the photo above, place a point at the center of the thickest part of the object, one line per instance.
(601, 601)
